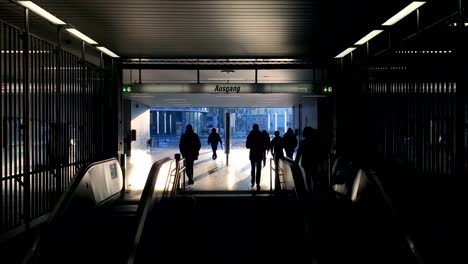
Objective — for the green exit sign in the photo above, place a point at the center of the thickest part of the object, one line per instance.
(327, 89)
(127, 89)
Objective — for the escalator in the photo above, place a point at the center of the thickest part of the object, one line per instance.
(287, 225)
(222, 227)
(177, 226)
(225, 227)
(94, 220)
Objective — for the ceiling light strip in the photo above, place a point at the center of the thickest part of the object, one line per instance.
(53, 19)
(345, 52)
(403, 13)
(41, 12)
(369, 36)
(108, 52)
(81, 36)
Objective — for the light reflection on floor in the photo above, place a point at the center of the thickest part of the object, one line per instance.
(209, 175)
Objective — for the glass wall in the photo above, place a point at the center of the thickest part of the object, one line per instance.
(165, 122)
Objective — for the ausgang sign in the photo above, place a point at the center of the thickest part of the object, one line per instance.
(227, 89)
(223, 88)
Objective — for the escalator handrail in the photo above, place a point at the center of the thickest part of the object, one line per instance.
(177, 176)
(60, 207)
(173, 177)
(299, 184)
(371, 175)
(145, 204)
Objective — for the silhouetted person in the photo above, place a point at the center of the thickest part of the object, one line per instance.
(324, 155)
(149, 143)
(255, 143)
(276, 146)
(308, 154)
(189, 146)
(266, 143)
(213, 140)
(290, 142)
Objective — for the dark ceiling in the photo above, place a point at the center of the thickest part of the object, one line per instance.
(313, 29)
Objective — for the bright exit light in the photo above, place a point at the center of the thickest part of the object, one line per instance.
(368, 37)
(403, 13)
(127, 89)
(345, 52)
(41, 12)
(108, 52)
(327, 89)
(81, 36)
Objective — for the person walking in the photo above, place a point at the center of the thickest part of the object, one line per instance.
(189, 146)
(266, 144)
(255, 142)
(276, 147)
(308, 154)
(213, 140)
(290, 142)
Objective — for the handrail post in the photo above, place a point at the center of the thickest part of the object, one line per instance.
(271, 187)
(177, 167)
(277, 179)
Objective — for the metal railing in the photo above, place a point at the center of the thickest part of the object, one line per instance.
(54, 113)
(173, 180)
(288, 177)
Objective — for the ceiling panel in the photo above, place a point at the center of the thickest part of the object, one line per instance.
(316, 29)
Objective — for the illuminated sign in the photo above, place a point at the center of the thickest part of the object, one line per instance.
(327, 89)
(290, 88)
(227, 89)
(127, 89)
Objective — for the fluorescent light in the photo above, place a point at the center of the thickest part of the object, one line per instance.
(81, 36)
(20, 51)
(403, 13)
(345, 52)
(368, 37)
(108, 52)
(38, 10)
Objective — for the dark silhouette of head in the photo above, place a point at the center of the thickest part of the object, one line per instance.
(213, 130)
(290, 130)
(189, 127)
(277, 133)
(307, 132)
(255, 127)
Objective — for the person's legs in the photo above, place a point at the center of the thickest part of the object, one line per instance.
(213, 148)
(189, 170)
(312, 176)
(258, 175)
(289, 152)
(252, 172)
(308, 174)
(323, 174)
(277, 180)
(315, 176)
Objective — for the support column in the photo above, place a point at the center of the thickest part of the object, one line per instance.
(461, 97)
(57, 127)
(25, 126)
